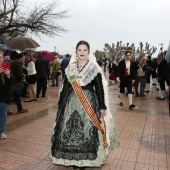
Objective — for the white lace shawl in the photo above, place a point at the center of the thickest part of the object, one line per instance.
(87, 74)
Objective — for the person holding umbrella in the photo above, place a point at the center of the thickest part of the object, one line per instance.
(19, 78)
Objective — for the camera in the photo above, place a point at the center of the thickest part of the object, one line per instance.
(5, 66)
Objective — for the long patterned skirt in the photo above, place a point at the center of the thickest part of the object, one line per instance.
(76, 141)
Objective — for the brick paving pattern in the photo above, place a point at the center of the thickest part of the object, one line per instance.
(144, 134)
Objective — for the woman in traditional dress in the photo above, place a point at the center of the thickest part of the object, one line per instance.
(84, 127)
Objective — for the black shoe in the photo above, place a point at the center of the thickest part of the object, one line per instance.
(28, 101)
(9, 113)
(120, 104)
(37, 96)
(147, 91)
(24, 96)
(158, 97)
(22, 111)
(161, 98)
(131, 106)
(34, 100)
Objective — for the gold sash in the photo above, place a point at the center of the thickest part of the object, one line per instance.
(89, 111)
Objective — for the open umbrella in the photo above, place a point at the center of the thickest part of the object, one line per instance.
(46, 54)
(4, 47)
(22, 43)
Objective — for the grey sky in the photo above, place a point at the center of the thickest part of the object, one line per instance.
(109, 21)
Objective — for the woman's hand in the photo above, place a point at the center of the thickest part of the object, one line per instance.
(23, 66)
(1, 70)
(103, 112)
(7, 72)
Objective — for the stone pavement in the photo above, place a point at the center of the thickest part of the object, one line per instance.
(144, 134)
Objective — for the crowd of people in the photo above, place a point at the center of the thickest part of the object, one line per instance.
(24, 76)
(84, 127)
(135, 76)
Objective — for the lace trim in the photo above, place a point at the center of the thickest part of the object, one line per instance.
(88, 74)
(92, 72)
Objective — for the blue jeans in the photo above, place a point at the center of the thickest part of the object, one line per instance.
(142, 86)
(3, 116)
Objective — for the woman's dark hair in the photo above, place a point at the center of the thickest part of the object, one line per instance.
(13, 55)
(67, 55)
(127, 52)
(82, 42)
(20, 55)
(149, 57)
(40, 54)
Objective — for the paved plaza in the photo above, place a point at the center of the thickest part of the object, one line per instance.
(144, 134)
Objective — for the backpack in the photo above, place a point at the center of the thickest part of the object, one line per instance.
(140, 72)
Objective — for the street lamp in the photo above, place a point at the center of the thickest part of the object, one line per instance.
(161, 44)
(55, 49)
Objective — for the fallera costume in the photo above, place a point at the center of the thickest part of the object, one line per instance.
(76, 141)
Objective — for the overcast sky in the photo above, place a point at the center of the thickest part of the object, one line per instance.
(109, 21)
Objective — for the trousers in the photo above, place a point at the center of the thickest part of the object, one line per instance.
(3, 116)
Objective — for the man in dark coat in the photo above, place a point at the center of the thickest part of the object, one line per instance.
(42, 68)
(161, 76)
(167, 74)
(150, 64)
(16, 69)
(64, 64)
(126, 71)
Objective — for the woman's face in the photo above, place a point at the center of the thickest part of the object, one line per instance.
(28, 58)
(82, 52)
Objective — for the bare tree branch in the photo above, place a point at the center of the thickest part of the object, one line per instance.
(42, 19)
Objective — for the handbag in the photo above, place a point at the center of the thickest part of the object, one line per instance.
(140, 72)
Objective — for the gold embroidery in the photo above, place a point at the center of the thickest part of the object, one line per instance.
(89, 110)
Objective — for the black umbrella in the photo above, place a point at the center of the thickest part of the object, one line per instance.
(4, 47)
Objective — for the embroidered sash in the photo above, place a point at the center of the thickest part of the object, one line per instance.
(89, 111)
(87, 107)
